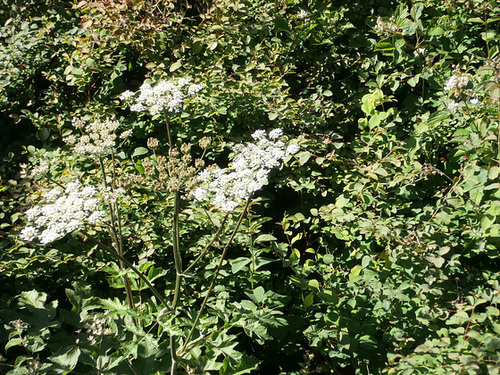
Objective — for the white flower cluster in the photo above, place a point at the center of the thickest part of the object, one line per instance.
(98, 138)
(456, 81)
(98, 328)
(301, 14)
(453, 106)
(37, 171)
(64, 212)
(420, 52)
(386, 27)
(164, 96)
(250, 167)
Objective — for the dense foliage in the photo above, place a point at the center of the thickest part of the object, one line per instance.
(373, 247)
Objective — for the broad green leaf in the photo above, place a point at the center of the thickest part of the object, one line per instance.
(239, 263)
(328, 258)
(259, 294)
(313, 283)
(65, 360)
(303, 157)
(309, 300)
(176, 65)
(139, 151)
(265, 238)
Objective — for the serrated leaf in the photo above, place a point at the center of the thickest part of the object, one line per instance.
(245, 365)
(16, 341)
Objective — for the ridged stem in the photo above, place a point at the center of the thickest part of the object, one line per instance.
(214, 278)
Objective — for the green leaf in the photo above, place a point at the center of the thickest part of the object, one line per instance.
(259, 294)
(176, 65)
(313, 283)
(303, 157)
(416, 11)
(265, 238)
(16, 341)
(281, 23)
(438, 117)
(328, 258)
(355, 271)
(249, 305)
(245, 365)
(65, 360)
(308, 300)
(239, 263)
(366, 261)
(273, 116)
(492, 343)
(140, 151)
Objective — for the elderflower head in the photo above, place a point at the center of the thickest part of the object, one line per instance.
(98, 138)
(163, 96)
(248, 172)
(64, 211)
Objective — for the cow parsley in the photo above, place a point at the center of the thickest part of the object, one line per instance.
(163, 96)
(458, 81)
(98, 138)
(64, 212)
(251, 164)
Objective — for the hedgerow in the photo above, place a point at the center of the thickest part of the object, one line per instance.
(233, 187)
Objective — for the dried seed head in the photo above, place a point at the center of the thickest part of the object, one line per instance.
(153, 143)
(205, 142)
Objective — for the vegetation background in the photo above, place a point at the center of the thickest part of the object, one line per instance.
(374, 249)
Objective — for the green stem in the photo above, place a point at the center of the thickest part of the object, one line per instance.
(176, 250)
(207, 247)
(214, 278)
(178, 275)
(177, 257)
(117, 238)
(169, 133)
(128, 264)
(498, 134)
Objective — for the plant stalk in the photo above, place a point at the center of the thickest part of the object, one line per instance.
(112, 252)
(214, 278)
(117, 239)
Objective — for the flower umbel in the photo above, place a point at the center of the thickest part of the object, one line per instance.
(98, 328)
(98, 138)
(164, 96)
(65, 211)
(248, 172)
